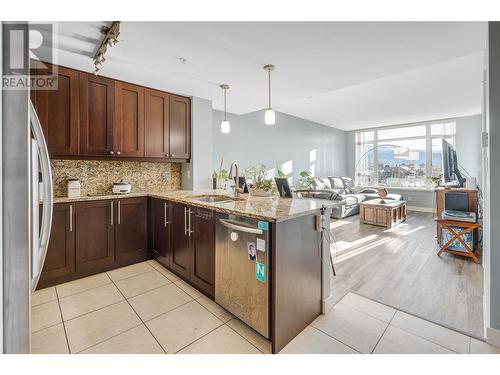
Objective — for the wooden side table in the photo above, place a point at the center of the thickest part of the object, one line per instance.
(386, 214)
(465, 228)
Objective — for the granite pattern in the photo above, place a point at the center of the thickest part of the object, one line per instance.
(261, 208)
(97, 176)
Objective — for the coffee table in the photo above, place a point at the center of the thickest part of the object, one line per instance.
(386, 214)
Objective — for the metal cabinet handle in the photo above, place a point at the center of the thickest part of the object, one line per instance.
(119, 212)
(189, 222)
(111, 152)
(71, 218)
(112, 221)
(167, 155)
(118, 152)
(172, 155)
(165, 206)
(185, 221)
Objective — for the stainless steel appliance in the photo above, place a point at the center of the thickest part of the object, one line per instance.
(24, 238)
(242, 280)
(122, 187)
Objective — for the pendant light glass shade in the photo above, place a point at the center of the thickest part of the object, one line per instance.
(269, 117)
(225, 126)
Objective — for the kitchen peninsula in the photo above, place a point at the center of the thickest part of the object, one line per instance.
(182, 230)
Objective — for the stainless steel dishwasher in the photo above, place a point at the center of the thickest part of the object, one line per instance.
(242, 269)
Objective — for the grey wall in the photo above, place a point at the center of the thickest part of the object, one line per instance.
(467, 144)
(197, 174)
(291, 140)
(494, 172)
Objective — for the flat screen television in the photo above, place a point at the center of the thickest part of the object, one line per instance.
(451, 173)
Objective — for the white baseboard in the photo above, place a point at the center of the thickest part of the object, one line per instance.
(493, 336)
(420, 209)
(327, 304)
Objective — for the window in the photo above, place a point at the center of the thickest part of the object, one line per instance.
(401, 156)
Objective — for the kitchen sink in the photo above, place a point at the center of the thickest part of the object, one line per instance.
(215, 198)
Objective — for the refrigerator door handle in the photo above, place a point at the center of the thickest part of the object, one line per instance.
(43, 154)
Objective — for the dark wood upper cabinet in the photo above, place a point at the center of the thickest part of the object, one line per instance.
(91, 116)
(60, 259)
(160, 226)
(203, 250)
(128, 133)
(131, 230)
(180, 259)
(58, 110)
(95, 236)
(97, 96)
(157, 124)
(180, 127)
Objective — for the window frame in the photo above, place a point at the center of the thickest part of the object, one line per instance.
(429, 137)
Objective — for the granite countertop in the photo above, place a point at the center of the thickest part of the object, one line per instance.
(272, 208)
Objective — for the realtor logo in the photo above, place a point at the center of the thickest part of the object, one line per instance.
(28, 56)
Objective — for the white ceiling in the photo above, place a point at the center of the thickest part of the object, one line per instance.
(343, 74)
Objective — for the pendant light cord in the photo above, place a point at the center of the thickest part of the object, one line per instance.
(269, 78)
(225, 106)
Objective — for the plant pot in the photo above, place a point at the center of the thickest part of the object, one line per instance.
(259, 192)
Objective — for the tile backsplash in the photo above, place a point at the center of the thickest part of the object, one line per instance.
(97, 176)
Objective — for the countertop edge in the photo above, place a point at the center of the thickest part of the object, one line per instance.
(188, 200)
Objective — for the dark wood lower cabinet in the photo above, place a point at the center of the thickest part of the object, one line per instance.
(89, 237)
(95, 235)
(131, 230)
(203, 250)
(180, 258)
(60, 260)
(160, 230)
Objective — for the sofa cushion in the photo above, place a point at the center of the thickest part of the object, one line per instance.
(348, 184)
(351, 199)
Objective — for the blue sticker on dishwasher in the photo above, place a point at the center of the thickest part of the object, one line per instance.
(260, 271)
(263, 225)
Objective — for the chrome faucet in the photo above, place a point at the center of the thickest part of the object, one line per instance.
(237, 188)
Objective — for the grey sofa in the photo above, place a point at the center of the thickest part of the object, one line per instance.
(342, 189)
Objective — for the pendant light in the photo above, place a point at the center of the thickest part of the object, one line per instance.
(269, 115)
(225, 126)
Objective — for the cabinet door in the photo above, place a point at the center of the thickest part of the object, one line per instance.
(180, 259)
(97, 115)
(131, 230)
(58, 110)
(203, 257)
(180, 127)
(157, 124)
(128, 133)
(60, 259)
(94, 235)
(160, 229)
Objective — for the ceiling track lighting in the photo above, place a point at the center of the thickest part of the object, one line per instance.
(269, 115)
(111, 34)
(225, 126)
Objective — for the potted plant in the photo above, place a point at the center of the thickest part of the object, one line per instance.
(436, 180)
(219, 179)
(258, 183)
(306, 179)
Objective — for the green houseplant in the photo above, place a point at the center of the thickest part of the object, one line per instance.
(259, 185)
(306, 179)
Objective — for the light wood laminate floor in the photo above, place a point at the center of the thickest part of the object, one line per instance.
(399, 267)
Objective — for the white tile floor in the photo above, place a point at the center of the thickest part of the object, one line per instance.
(144, 308)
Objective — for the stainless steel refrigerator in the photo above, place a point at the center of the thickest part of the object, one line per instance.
(26, 211)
